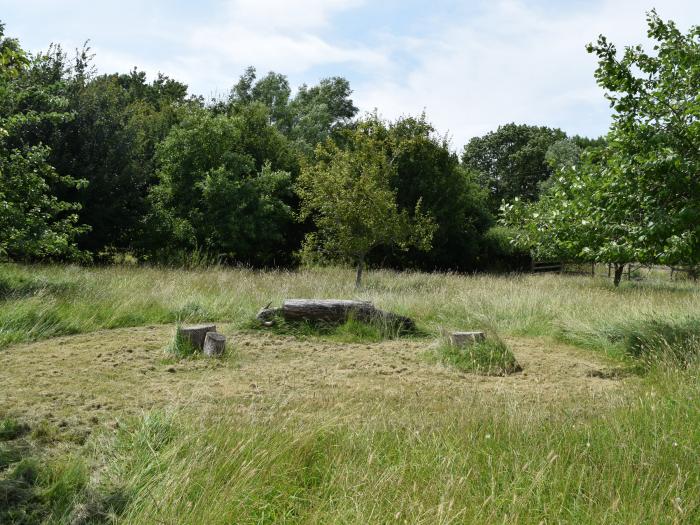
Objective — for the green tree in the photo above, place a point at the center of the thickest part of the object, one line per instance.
(510, 162)
(221, 188)
(427, 171)
(349, 196)
(110, 142)
(34, 223)
(638, 198)
(320, 111)
(583, 216)
(307, 119)
(654, 143)
(272, 91)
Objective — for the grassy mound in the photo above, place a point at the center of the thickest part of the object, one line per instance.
(490, 357)
(350, 331)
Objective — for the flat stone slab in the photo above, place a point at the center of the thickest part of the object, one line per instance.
(466, 338)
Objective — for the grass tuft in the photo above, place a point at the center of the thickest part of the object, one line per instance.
(12, 429)
(675, 340)
(180, 346)
(490, 357)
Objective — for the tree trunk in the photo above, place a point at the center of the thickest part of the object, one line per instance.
(214, 344)
(619, 270)
(358, 276)
(339, 310)
(196, 334)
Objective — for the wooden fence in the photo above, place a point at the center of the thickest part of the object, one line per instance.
(562, 267)
(546, 266)
(632, 270)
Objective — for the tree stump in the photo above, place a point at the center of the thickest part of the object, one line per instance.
(466, 338)
(214, 344)
(196, 333)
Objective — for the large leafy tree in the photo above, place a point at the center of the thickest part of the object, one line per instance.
(223, 189)
(511, 161)
(655, 137)
(110, 142)
(640, 199)
(34, 223)
(349, 195)
(308, 118)
(427, 171)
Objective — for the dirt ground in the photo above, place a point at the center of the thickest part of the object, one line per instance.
(99, 378)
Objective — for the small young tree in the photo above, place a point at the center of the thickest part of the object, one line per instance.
(348, 194)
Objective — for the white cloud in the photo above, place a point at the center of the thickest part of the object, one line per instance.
(295, 15)
(286, 36)
(515, 62)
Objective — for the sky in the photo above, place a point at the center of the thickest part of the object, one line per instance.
(471, 65)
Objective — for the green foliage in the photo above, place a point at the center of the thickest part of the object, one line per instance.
(581, 217)
(637, 199)
(428, 173)
(500, 253)
(221, 188)
(511, 161)
(310, 117)
(34, 222)
(654, 143)
(349, 196)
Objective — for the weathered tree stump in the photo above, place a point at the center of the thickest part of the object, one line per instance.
(214, 344)
(466, 338)
(196, 333)
(333, 311)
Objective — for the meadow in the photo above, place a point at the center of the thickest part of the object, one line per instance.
(100, 424)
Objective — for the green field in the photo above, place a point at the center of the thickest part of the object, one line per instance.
(99, 424)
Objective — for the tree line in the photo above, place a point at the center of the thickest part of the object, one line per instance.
(96, 166)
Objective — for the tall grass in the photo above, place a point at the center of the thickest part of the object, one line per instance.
(632, 464)
(45, 301)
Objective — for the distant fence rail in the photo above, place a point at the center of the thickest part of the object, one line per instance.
(562, 267)
(546, 266)
(633, 271)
